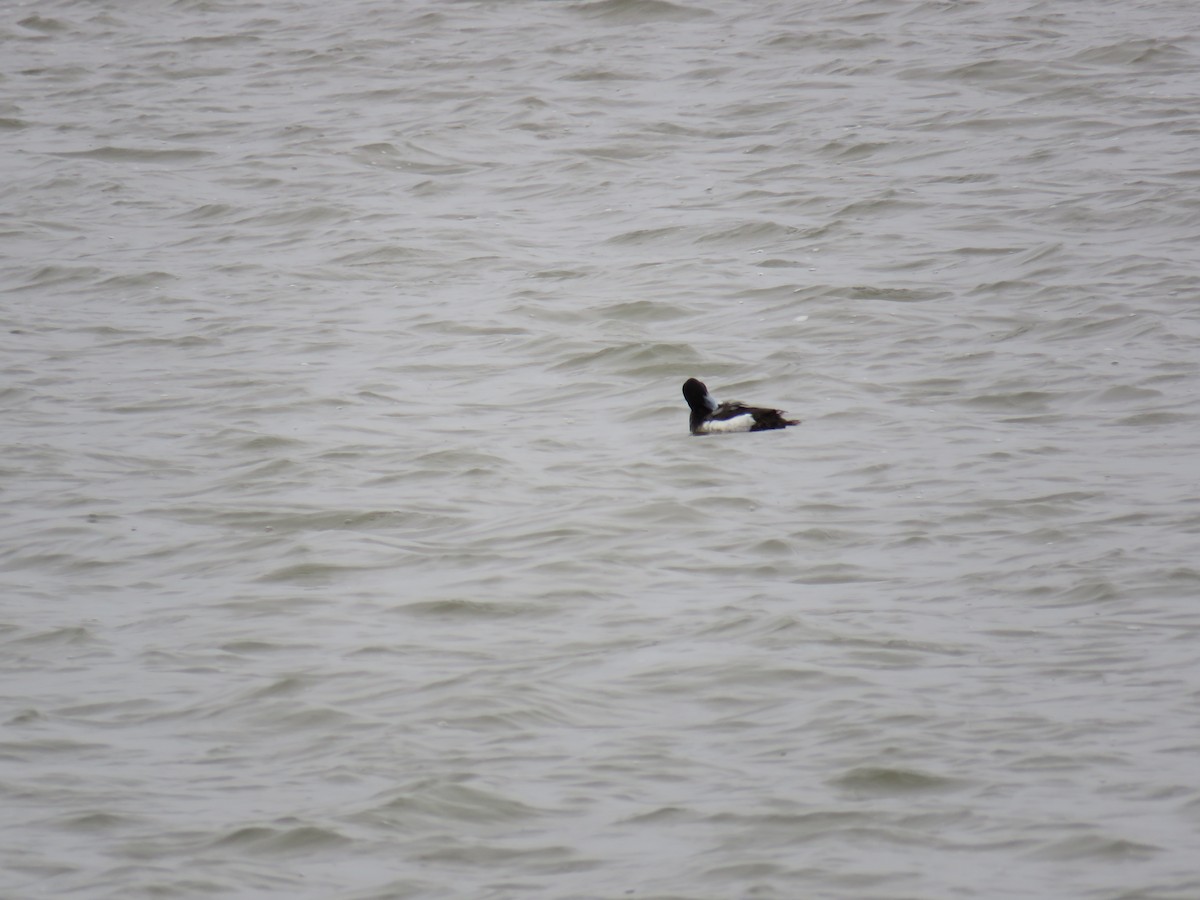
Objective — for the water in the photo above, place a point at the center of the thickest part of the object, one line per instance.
(354, 544)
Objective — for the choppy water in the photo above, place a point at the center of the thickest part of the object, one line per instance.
(353, 542)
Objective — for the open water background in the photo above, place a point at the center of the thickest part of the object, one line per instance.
(353, 544)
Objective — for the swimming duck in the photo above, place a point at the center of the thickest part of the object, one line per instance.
(711, 417)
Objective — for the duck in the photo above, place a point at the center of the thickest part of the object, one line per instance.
(711, 417)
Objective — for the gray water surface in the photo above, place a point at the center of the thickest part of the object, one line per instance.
(353, 542)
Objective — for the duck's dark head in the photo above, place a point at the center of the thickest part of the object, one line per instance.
(698, 397)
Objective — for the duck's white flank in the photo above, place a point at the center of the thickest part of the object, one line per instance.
(744, 422)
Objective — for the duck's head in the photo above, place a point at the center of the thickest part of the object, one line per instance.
(697, 396)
